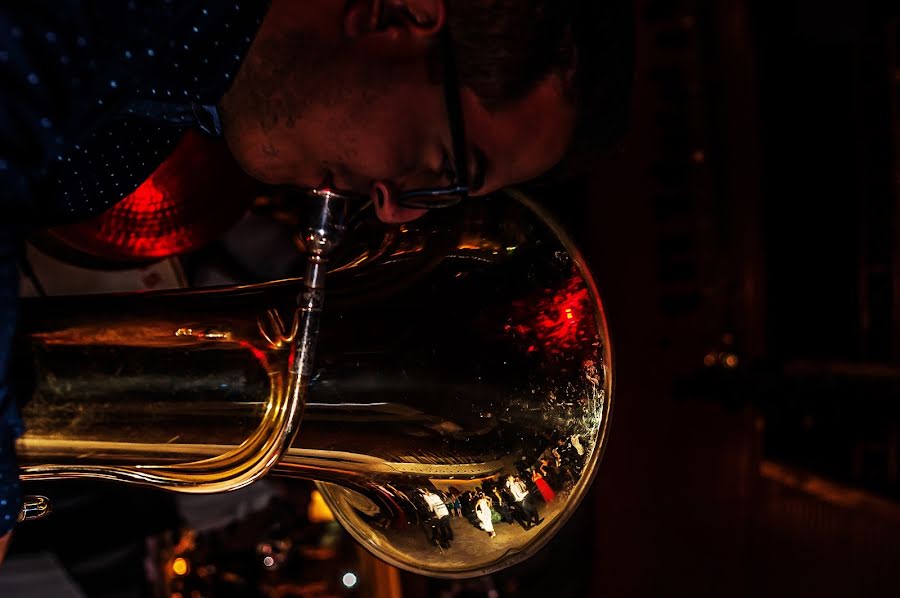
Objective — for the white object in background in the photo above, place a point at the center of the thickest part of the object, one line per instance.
(61, 278)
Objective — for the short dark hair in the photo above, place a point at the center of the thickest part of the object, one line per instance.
(504, 48)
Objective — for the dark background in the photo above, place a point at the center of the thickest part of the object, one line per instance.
(751, 221)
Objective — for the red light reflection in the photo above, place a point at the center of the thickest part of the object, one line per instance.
(257, 353)
(556, 322)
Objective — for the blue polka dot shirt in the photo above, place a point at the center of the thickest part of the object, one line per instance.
(93, 97)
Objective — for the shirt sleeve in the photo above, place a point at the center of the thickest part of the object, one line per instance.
(43, 64)
(10, 422)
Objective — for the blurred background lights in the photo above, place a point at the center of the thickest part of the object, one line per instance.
(179, 566)
(349, 579)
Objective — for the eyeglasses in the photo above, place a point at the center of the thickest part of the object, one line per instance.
(444, 197)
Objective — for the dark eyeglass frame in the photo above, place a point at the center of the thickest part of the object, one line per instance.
(445, 197)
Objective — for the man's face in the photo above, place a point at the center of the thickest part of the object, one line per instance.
(324, 99)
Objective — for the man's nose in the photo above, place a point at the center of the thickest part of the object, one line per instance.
(384, 198)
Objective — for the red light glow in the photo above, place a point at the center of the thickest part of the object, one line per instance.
(557, 321)
(257, 353)
(192, 198)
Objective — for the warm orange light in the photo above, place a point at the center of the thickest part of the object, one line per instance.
(179, 566)
(318, 511)
(731, 360)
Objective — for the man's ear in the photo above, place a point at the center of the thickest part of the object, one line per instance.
(419, 18)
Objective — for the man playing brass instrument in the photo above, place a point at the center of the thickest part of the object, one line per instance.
(414, 103)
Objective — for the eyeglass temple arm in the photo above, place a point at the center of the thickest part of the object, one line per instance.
(456, 190)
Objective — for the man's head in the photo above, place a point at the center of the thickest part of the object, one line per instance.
(350, 93)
